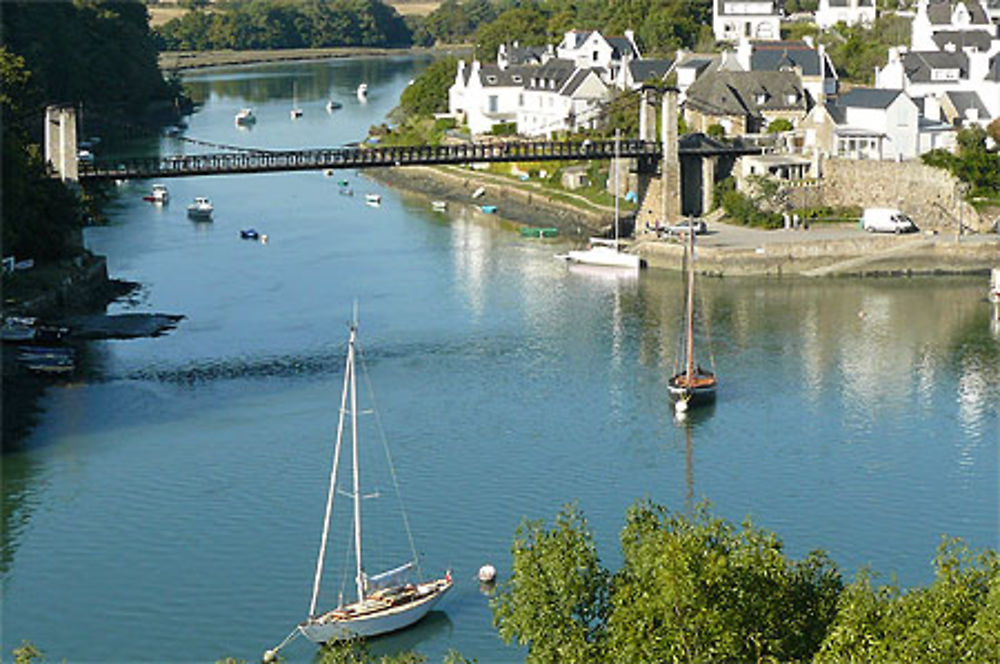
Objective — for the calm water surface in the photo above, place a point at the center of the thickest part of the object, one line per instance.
(168, 505)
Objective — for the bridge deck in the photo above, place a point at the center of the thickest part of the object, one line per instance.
(261, 161)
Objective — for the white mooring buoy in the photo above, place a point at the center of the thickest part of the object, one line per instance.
(270, 656)
(487, 573)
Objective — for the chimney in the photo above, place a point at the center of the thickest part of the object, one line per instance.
(743, 51)
(932, 108)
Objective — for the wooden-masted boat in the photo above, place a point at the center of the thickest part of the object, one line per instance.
(690, 385)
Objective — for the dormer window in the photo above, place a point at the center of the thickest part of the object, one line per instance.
(516, 78)
(791, 98)
(944, 75)
(491, 79)
(761, 98)
(552, 84)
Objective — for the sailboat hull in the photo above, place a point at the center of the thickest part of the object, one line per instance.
(338, 625)
(700, 393)
(606, 256)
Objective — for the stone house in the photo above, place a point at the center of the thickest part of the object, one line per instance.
(744, 102)
(750, 19)
(852, 12)
(812, 64)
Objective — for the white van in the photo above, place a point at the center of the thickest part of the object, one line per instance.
(886, 220)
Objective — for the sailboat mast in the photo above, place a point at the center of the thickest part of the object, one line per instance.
(617, 181)
(357, 482)
(333, 481)
(689, 350)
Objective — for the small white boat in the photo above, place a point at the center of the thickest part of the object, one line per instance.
(159, 194)
(245, 117)
(439, 206)
(332, 106)
(373, 199)
(604, 252)
(479, 192)
(201, 209)
(363, 91)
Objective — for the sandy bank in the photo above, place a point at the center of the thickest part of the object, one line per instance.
(180, 60)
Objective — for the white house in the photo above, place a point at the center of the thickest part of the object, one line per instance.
(559, 96)
(589, 48)
(752, 19)
(865, 123)
(934, 16)
(852, 12)
(486, 94)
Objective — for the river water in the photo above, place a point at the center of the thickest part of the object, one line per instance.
(168, 505)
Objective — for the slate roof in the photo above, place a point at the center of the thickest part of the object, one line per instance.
(577, 79)
(962, 38)
(868, 98)
(919, 64)
(939, 13)
(837, 113)
(491, 76)
(621, 46)
(557, 70)
(577, 37)
(963, 101)
(523, 55)
(993, 73)
(746, 92)
(778, 55)
(646, 70)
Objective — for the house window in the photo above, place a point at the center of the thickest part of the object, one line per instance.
(520, 100)
(516, 78)
(761, 98)
(491, 79)
(746, 29)
(493, 103)
(791, 98)
(596, 54)
(944, 75)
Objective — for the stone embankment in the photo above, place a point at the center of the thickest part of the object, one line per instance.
(842, 251)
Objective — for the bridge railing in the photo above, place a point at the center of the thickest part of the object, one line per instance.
(367, 157)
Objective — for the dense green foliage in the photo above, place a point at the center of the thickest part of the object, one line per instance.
(748, 210)
(694, 588)
(263, 24)
(95, 52)
(973, 164)
(429, 92)
(661, 26)
(779, 125)
(858, 50)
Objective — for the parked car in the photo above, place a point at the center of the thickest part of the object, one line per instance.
(699, 226)
(886, 220)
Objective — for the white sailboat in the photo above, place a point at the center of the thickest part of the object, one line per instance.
(600, 250)
(384, 602)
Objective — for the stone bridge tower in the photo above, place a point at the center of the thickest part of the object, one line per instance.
(60, 141)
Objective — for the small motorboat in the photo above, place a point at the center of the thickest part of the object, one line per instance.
(488, 209)
(343, 183)
(201, 209)
(249, 234)
(532, 231)
(332, 106)
(346, 191)
(159, 195)
(439, 206)
(373, 199)
(479, 192)
(245, 117)
(363, 91)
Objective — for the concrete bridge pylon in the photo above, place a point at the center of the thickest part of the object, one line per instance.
(60, 141)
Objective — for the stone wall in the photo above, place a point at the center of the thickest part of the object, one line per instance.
(929, 195)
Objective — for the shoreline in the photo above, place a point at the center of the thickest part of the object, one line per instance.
(189, 60)
(836, 250)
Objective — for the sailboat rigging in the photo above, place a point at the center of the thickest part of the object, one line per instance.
(607, 252)
(692, 385)
(384, 602)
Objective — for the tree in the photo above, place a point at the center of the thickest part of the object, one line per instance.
(429, 92)
(556, 598)
(779, 125)
(527, 24)
(993, 130)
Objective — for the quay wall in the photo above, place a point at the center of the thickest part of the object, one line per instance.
(863, 256)
(929, 195)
